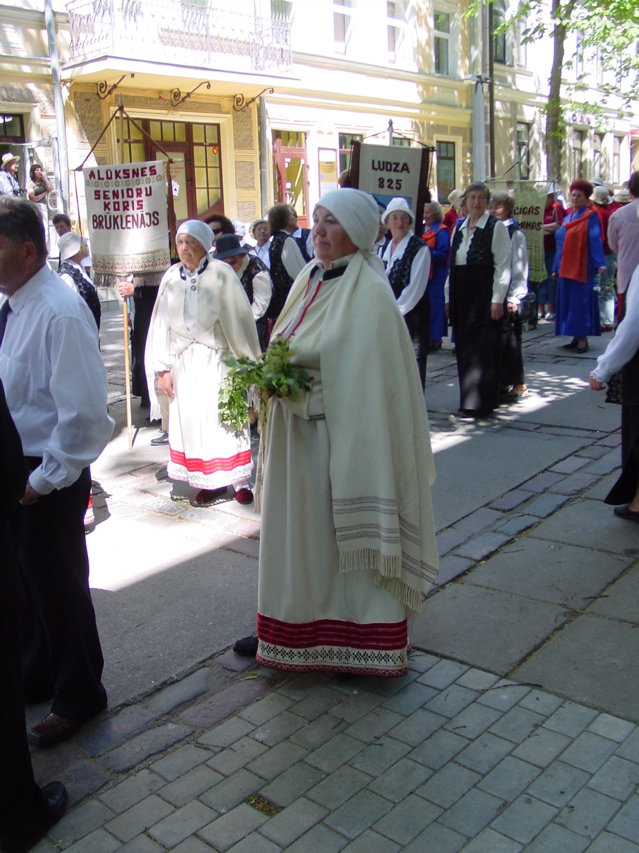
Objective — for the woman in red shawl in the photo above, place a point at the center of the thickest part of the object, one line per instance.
(578, 260)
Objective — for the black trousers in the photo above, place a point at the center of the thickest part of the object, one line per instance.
(512, 359)
(144, 299)
(625, 488)
(20, 798)
(418, 325)
(61, 652)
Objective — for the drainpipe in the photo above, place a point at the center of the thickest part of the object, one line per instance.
(63, 164)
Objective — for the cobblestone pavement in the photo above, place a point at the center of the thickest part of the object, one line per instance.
(228, 756)
(449, 758)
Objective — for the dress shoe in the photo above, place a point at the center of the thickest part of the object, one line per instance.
(207, 496)
(55, 803)
(163, 438)
(574, 343)
(627, 513)
(582, 349)
(247, 647)
(52, 730)
(244, 496)
(517, 392)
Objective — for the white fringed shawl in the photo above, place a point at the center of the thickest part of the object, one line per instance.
(381, 464)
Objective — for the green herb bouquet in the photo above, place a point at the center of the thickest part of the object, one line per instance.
(272, 374)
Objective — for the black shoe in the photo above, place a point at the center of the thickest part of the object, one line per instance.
(574, 343)
(161, 439)
(55, 803)
(622, 512)
(247, 647)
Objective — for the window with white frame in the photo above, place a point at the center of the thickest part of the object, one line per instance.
(446, 169)
(442, 30)
(395, 26)
(342, 23)
(578, 145)
(597, 156)
(523, 149)
(522, 53)
(616, 158)
(502, 40)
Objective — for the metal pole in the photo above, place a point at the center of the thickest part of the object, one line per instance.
(479, 130)
(265, 154)
(125, 308)
(390, 131)
(63, 165)
(491, 89)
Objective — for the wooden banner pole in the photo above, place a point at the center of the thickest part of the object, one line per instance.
(125, 311)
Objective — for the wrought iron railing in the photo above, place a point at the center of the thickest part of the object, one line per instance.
(178, 31)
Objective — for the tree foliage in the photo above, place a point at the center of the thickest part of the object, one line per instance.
(608, 33)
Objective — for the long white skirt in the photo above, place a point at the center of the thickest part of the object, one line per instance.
(311, 615)
(203, 452)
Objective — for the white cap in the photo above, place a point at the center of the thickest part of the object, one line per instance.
(397, 204)
(69, 245)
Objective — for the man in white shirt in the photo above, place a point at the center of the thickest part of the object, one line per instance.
(623, 238)
(56, 390)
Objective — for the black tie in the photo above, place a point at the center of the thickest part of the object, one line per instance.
(4, 313)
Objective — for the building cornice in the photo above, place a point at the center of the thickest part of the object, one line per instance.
(385, 72)
(18, 15)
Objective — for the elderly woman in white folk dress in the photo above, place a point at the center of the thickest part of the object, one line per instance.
(407, 263)
(201, 314)
(348, 549)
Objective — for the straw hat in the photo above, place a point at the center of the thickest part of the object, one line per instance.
(9, 158)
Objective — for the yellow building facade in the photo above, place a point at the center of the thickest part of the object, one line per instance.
(257, 101)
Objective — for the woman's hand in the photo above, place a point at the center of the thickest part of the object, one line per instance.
(496, 310)
(165, 384)
(595, 384)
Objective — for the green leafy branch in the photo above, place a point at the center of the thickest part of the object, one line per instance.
(272, 374)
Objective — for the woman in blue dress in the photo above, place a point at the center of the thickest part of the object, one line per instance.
(578, 261)
(437, 238)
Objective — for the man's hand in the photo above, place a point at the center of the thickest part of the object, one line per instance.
(595, 384)
(126, 289)
(30, 495)
(496, 310)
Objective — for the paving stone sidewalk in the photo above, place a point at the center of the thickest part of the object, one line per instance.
(232, 757)
(449, 758)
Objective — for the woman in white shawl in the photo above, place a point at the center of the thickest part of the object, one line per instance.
(347, 550)
(200, 315)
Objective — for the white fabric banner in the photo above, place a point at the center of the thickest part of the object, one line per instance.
(127, 218)
(388, 172)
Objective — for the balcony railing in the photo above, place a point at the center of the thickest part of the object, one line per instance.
(183, 32)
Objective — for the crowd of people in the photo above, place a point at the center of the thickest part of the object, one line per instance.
(348, 550)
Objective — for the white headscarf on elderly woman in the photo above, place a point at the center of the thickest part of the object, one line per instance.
(358, 214)
(200, 231)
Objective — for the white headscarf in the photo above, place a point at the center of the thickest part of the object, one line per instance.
(200, 231)
(358, 214)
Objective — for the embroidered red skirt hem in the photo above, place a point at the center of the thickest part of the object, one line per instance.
(331, 645)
